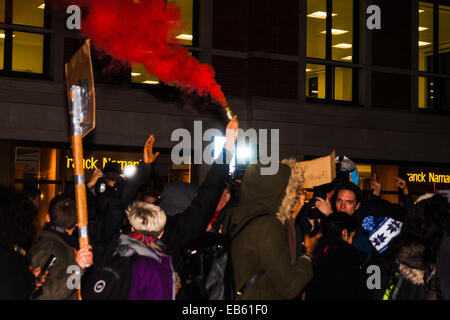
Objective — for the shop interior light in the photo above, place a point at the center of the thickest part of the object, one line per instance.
(150, 82)
(421, 10)
(422, 28)
(184, 36)
(308, 70)
(42, 6)
(320, 15)
(129, 171)
(336, 31)
(136, 74)
(2, 36)
(423, 43)
(349, 58)
(343, 46)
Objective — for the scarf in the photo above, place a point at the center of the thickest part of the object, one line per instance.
(158, 245)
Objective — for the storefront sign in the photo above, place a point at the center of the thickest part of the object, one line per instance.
(93, 164)
(429, 177)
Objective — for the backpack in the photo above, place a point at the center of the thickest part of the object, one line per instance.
(207, 269)
(112, 281)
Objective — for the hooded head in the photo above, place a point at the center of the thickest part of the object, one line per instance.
(276, 194)
(176, 197)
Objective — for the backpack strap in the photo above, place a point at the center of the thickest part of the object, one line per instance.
(249, 283)
(246, 224)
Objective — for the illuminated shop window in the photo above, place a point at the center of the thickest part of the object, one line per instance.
(140, 75)
(23, 50)
(29, 12)
(342, 84)
(28, 52)
(185, 36)
(316, 28)
(330, 39)
(434, 56)
(315, 81)
(40, 168)
(425, 30)
(342, 31)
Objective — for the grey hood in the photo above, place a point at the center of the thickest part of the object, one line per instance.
(128, 246)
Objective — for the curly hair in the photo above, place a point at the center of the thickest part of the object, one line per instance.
(426, 224)
(18, 218)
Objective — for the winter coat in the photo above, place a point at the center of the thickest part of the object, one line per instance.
(443, 267)
(179, 230)
(408, 280)
(183, 228)
(16, 280)
(263, 245)
(152, 277)
(51, 242)
(337, 272)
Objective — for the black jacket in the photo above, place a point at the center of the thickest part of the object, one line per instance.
(179, 230)
(16, 280)
(337, 272)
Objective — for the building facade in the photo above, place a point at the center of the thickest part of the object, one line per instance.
(314, 69)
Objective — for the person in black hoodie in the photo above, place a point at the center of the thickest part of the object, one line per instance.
(18, 226)
(337, 265)
(181, 228)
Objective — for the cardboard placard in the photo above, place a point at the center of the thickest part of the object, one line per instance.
(319, 171)
(79, 73)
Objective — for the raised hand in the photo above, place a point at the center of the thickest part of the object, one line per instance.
(149, 156)
(401, 184)
(324, 206)
(95, 176)
(231, 134)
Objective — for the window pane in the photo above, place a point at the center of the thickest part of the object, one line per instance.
(342, 30)
(28, 52)
(315, 81)
(343, 83)
(426, 92)
(185, 35)
(425, 44)
(315, 25)
(34, 164)
(29, 12)
(2, 10)
(444, 39)
(2, 47)
(140, 75)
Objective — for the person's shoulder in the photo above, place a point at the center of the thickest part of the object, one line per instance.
(151, 266)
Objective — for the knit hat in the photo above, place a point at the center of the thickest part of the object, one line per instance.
(381, 231)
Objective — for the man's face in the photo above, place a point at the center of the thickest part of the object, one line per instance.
(346, 202)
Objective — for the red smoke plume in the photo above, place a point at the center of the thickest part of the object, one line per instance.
(143, 31)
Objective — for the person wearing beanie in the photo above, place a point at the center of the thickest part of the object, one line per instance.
(381, 231)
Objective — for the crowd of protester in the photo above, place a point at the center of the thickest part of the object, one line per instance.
(339, 244)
